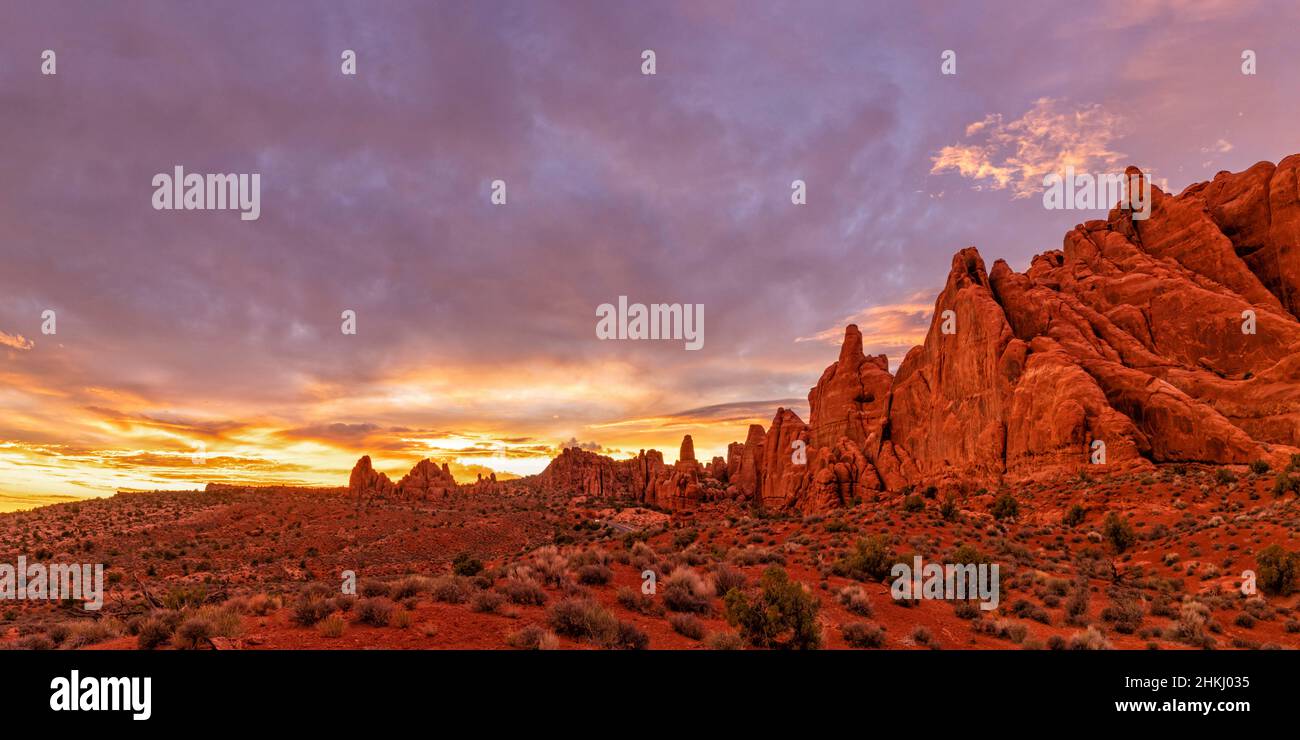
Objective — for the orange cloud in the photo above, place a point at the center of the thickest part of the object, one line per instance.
(1051, 136)
(15, 341)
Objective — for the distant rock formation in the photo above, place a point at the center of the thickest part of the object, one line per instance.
(366, 483)
(426, 481)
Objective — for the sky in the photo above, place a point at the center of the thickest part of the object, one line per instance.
(194, 346)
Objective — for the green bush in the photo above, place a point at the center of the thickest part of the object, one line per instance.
(1285, 483)
(1074, 517)
(948, 509)
(871, 560)
(1278, 570)
(1005, 506)
(783, 615)
(1119, 532)
(465, 564)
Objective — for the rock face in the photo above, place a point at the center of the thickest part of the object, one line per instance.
(366, 483)
(425, 481)
(1169, 339)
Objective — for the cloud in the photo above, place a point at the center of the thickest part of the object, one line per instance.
(335, 433)
(1049, 137)
(573, 442)
(15, 341)
(890, 329)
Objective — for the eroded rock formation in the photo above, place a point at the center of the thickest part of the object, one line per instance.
(1169, 339)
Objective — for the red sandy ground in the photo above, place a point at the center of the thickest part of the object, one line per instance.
(276, 541)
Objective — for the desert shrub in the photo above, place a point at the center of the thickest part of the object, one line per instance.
(193, 633)
(35, 642)
(403, 619)
(1260, 467)
(726, 578)
(595, 575)
(724, 641)
(486, 602)
(533, 637)
(686, 591)
(1074, 517)
(948, 509)
(1124, 613)
(1005, 506)
(375, 611)
(755, 556)
(92, 632)
(783, 615)
(1277, 570)
(687, 625)
(1285, 483)
(968, 554)
(1026, 609)
(921, 635)
(311, 609)
(549, 564)
(582, 619)
(523, 591)
(58, 633)
(262, 604)
(452, 589)
(1225, 476)
(855, 599)
(628, 636)
(1089, 639)
(408, 587)
(871, 560)
(863, 635)
(332, 626)
(1119, 532)
(370, 588)
(913, 504)
(1076, 606)
(182, 597)
(1005, 629)
(226, 622)
(152, 632)
(684, 537)
(1193, 625)
(466, 565)
(634, 600)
